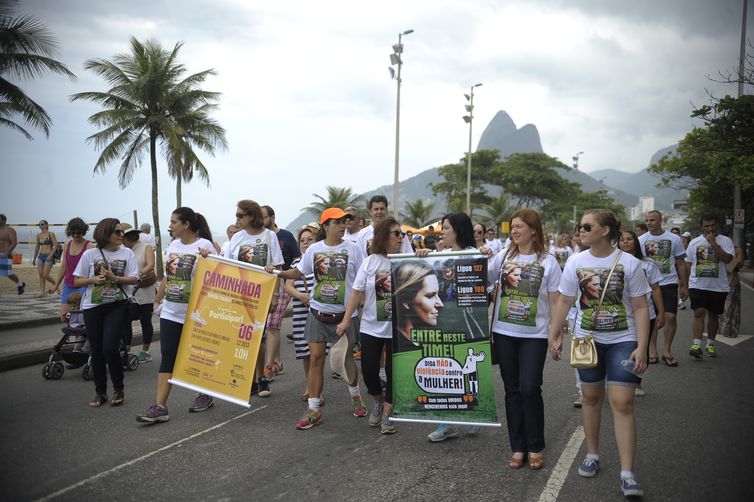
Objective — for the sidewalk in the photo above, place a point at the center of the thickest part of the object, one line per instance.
(27, 310)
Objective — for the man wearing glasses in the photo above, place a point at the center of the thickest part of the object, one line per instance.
(8, 242)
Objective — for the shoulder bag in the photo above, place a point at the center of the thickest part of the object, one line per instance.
(583, 349)
(134, 314)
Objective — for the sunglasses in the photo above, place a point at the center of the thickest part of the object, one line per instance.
(118, 232)
(240, 215)
(587, 227)
(479, 232)
(398, 233)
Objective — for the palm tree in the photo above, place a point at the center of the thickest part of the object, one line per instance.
(194, 128)
(150, 101)
(496, 211)
(418, 213)
(26, 50)
(336, 197)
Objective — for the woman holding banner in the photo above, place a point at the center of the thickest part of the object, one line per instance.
(619, 325)
(529, 279)
(372, 286)
(327, 306)
(191, 236)
(457, 235)
(257, 245)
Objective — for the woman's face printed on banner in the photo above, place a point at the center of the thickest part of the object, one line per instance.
(427, 304)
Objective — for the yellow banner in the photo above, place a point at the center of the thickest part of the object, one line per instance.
(220, 340)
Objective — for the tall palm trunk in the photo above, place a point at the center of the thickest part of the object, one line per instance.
(155, 208)
(178, 181)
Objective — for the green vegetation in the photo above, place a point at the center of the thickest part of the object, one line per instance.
(26, 50)
(335, 197)
(150, 101)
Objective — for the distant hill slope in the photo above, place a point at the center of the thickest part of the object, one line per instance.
(501, 134)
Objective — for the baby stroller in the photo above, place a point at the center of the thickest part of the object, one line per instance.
(73, 348)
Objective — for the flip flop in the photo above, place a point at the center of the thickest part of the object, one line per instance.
(669, 361)
(653, 360)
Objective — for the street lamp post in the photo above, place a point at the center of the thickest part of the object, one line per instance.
(396, 60)
(469, 119)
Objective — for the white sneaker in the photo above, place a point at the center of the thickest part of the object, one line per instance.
(197, 319)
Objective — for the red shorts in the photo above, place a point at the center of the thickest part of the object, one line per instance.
(275, 317)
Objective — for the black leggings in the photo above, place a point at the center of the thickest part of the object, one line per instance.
(371, 353)
(104, 328)
(147, 330)
(170, 337)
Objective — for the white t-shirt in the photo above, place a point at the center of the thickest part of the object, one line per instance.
(354, 238)
(707, 272)
(146, 238)
(652, 272)
(584, 277)
(365, 236)
(373, 278)
(122, 263)
(522, 307)
(334, 269)
(495, 245)
(262, 249)
(225, 248)
(180, 264)
(561, 255)
(664, 250)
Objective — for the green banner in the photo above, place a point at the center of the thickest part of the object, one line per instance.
(441, 349)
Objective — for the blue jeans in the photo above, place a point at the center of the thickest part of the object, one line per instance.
(522, 361)
(609, 356)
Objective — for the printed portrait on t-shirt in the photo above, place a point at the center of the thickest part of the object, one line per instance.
(383, 293)
(256, 253)
(611, 314)
(178, 273)
(330, 270)
(562, 256)
(109, 291)
(659, 251)
(520, 289)
(707, 262)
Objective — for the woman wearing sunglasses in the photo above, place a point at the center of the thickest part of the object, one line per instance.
(373, 287)
(108, 272)
(44, 256)
(74, 249)
(618, 320)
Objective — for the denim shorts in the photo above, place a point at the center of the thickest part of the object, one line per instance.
(67, 290)
(45, 260)
(609, 356)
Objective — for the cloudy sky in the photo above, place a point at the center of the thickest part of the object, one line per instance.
(307, 100)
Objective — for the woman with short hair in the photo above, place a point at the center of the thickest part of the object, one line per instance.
(108, 272)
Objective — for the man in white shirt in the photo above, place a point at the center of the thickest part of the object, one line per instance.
(666, 250)
(353, 225)
(146, 234)
(708, 283)
(493, 242)
(378, 210)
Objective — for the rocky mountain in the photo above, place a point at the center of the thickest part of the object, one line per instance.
(502, 134)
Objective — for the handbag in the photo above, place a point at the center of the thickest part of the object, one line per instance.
(134, 313)
(583, 349)
(148, 280)
(326, 318)
(493, 352)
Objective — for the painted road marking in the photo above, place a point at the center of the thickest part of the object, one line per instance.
(560, 472)
(144, 457)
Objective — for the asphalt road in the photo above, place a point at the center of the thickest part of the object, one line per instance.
(695, 439)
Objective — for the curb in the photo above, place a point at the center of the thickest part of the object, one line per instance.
(41, 356)
(30, 323)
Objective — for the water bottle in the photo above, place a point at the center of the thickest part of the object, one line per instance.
(628, 365)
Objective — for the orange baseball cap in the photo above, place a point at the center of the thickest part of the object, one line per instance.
(333, 213)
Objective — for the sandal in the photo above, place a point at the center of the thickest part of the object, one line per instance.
(516, 463)
(118, 397)
(653, 360)
(669, 361)
(536, 463)
(98, 400)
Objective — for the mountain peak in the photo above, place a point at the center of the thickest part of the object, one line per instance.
(501, 134)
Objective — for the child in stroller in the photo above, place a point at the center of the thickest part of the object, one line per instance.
(73, 347)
